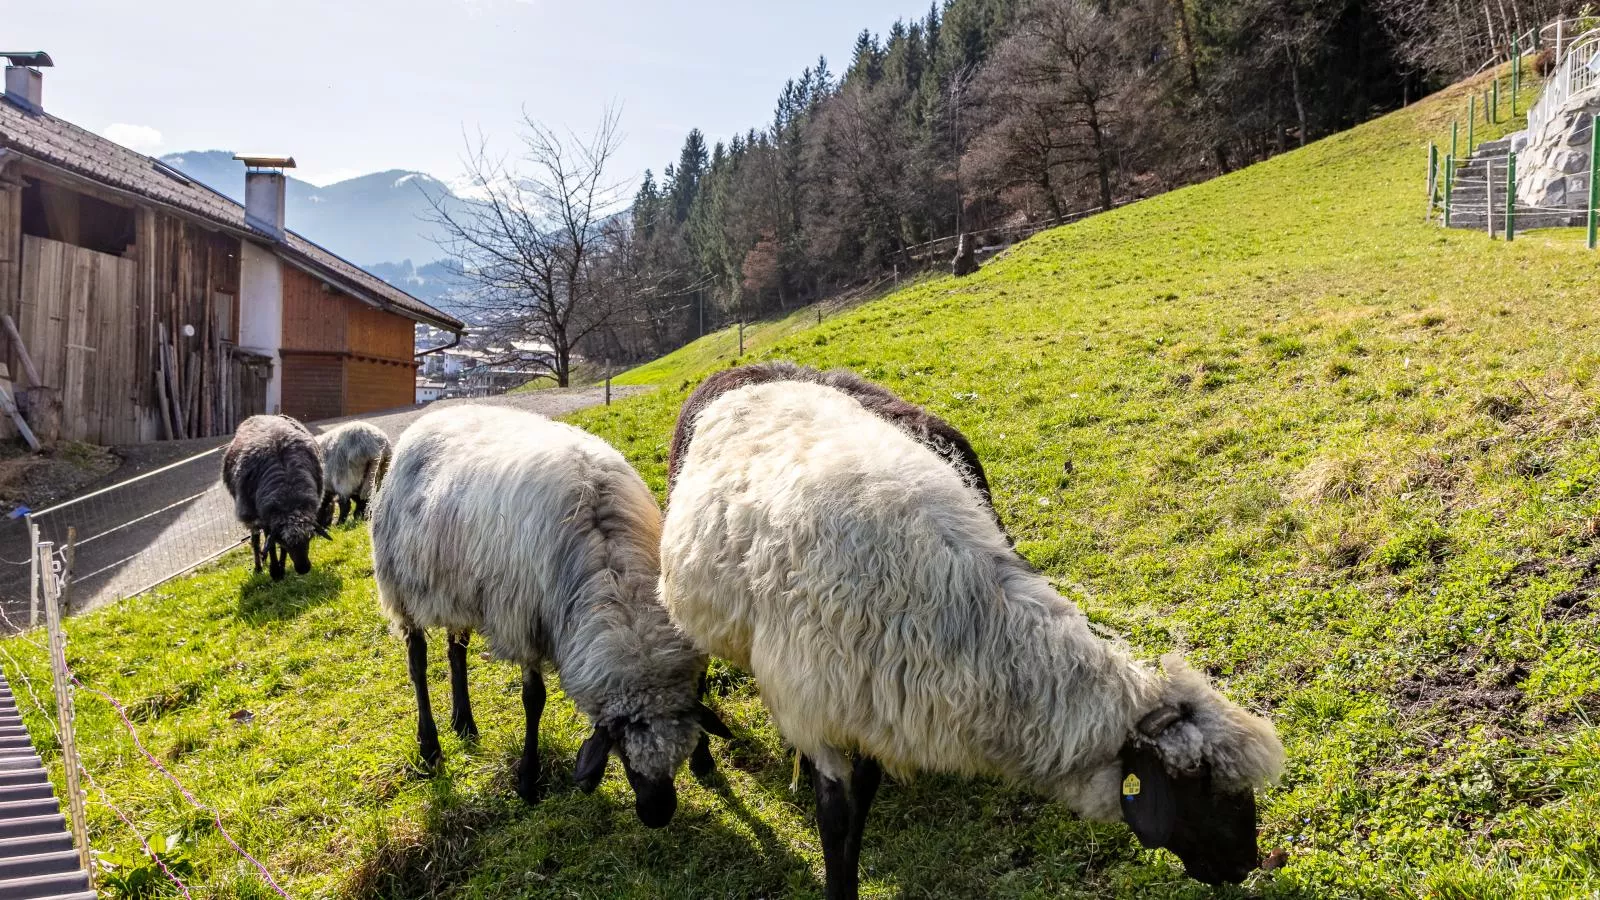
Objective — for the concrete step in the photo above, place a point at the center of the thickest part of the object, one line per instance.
(23, 776)
(37, 843)
(20, 761)
(11, 792)
(37, 887)
(53, 862)
(35, 806)
(30, 826)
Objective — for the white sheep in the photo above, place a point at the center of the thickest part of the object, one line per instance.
(355, 457)
(542, 538)
(868, 589)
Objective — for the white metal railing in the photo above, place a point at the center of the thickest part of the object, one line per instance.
(1577, 73)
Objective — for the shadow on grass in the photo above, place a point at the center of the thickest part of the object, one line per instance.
(575, 843)
(263, 600)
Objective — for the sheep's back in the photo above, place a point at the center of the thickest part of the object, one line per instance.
(348, 450)
(504, 522)
(923, 426)
(272, 463)
(849, 568)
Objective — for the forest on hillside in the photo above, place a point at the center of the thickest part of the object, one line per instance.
(977, 115)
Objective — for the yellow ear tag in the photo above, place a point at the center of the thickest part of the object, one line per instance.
(1130, 786)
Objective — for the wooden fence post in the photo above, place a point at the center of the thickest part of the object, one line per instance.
(1488, 198)
(62, 680)
(1594, 189)
(1511, 195)
(1449, 185)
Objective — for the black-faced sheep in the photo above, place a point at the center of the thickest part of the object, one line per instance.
(355, 457)
(541, 537)
(273, 470)
(884, 616)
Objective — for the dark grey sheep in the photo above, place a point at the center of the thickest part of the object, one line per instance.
(273, 471)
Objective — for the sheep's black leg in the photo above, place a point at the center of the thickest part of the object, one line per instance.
(460, 705)
(835, 820)
(529, 784)
(276, 555)
(864, 781)
(360, 511)
(255, 548)
(344, 509)
(700, 762)
(427, 732)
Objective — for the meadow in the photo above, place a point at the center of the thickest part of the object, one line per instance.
(1345, 461)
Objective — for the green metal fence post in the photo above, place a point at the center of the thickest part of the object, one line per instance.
(1511, 195)
(1472, 120)
(1453, 126)
(1594, 186)
(1449, 185)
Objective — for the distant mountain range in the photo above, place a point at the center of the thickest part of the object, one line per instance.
(378, 221)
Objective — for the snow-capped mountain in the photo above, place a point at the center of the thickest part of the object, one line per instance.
(379, 221)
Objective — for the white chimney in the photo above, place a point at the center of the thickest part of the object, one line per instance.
(24, 81)
(264, 184)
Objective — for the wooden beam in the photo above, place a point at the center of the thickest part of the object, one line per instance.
(10, 408)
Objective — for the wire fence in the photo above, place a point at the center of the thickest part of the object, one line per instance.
(1470, 188)
(132, 536)
(52, 584)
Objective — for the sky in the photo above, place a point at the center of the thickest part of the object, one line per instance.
(354, 86)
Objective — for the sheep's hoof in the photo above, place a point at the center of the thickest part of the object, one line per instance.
(701, 764)
(467, 730)
(529, 788)
(432, 756)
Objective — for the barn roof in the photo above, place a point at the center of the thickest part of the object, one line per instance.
(62, 145)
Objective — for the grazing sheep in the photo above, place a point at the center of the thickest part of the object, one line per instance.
(924, 427)
(355, 457)
(273, 471)
(881, 611)
(541, 537)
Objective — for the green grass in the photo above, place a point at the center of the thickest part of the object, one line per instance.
(1346, 462)
(717, 349)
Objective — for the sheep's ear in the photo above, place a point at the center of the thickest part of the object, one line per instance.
(323, 532)
(1148, 804)
(592, 757)
(1156, 722)
(710, 722)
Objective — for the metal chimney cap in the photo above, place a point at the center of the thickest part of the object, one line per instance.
(35, 58)
(255, 161)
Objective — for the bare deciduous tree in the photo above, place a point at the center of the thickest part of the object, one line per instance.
(534, 248)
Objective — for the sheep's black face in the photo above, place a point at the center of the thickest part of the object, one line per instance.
(1213, 830)
(301, 554)
(654, 799)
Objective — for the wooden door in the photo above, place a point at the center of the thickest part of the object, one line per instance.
(78, 316)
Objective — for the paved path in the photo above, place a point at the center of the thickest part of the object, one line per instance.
(130, 538)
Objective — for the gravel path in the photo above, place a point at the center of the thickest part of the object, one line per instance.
(132, 537)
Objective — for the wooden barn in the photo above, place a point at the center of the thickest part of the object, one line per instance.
(152, 307)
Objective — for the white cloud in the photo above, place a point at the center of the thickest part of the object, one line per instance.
(142, 138)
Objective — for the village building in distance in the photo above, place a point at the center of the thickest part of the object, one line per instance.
(152, 307)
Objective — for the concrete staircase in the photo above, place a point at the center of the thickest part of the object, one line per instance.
(37, 859)
(1472, 193)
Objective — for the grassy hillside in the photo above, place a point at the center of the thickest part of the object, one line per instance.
(1343, 460)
